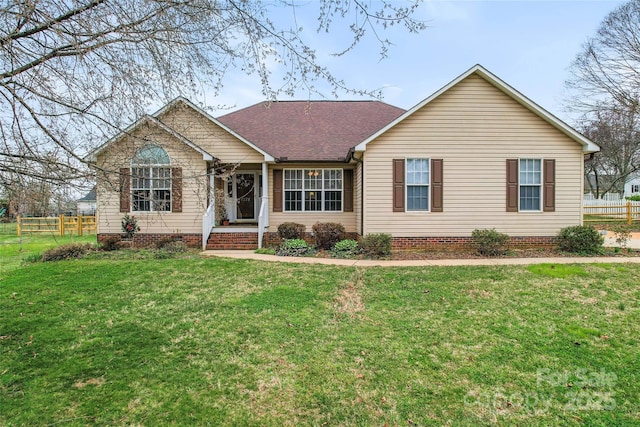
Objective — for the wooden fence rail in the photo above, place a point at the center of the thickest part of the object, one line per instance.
(59, 225)
(612, 211)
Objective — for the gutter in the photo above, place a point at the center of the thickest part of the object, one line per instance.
(352, 153)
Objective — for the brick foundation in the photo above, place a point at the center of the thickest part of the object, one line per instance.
(249, 240)
(145, 240)
(465, 243)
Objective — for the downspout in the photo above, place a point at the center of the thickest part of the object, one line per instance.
(359, 160)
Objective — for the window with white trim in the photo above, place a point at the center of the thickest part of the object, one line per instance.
(151, 180)
(313, 190)
(530, 184)
(635, 188)
(417, 182)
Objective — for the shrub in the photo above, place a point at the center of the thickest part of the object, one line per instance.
(634, 198)
(175, 247)
(71, 250)
(345, 249)
(129, 225)
(377, 244)
(160, 244)
(31, 258)
(490, 242)
(623, 234)
(265, 251)
(584, 239)
(291, 230)
(110, 243)
(327, 234)
(294, 247)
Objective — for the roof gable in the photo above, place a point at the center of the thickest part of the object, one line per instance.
(146, 119)
(310, 130)
(587, 145)
(181, 100)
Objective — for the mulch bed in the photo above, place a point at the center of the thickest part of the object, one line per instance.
(517, 253)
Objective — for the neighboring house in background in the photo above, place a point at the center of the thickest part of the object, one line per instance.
(87, 204)
(475, 154)
(602, 183)
(632, 186)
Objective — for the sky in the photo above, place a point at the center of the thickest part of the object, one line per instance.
(528, 44)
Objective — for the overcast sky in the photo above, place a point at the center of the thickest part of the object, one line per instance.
(528, 44)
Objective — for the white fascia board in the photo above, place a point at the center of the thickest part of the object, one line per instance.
(588, 146)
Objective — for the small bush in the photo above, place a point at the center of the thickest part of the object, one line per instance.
(265, 251)
(160, 244)
(294, 247)
(377, 244)
(490, 242)
(291, 230)
(170, 248)
(69, 251)
(345, 249)
(110, 243)
(175, 247)
(634, 198)
(583, 239)
(623, 235)
(327, 234)
(31, 258)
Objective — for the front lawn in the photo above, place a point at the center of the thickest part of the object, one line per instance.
(208, 341)
(15, 249)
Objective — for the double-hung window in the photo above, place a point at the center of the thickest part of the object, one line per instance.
(530, 184)
(151, 180)
(417, 181)
(313, 190)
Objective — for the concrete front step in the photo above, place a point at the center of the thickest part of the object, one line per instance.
(233, 241)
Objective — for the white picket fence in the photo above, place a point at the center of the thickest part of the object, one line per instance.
(609, 197)
(598, 210)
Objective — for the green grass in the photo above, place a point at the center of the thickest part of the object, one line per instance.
(114, 340)
(14, 249)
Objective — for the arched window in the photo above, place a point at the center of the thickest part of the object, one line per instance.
(151, 180)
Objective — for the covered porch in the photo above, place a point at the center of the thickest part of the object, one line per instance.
(238, 207)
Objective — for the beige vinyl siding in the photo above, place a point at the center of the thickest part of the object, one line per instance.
(209, 136)
(194, 185)
(347, 219)
(474, 127)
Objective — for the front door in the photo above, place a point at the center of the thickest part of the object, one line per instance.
(245, 196)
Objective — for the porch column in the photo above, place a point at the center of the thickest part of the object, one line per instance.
(265, 193)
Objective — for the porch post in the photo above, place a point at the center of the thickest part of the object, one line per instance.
(212, 195)
(265, 193)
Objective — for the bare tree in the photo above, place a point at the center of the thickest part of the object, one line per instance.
(608, 68)
(605, 88)
(74, 73)
(617, 131)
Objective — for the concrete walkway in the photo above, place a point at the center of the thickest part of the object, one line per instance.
(421, 263)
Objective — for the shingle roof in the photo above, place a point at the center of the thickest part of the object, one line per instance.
(310, 130)
(90, 196)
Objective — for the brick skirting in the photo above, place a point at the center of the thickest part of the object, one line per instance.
(465, 243)
(249, 240)
(144, 240)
